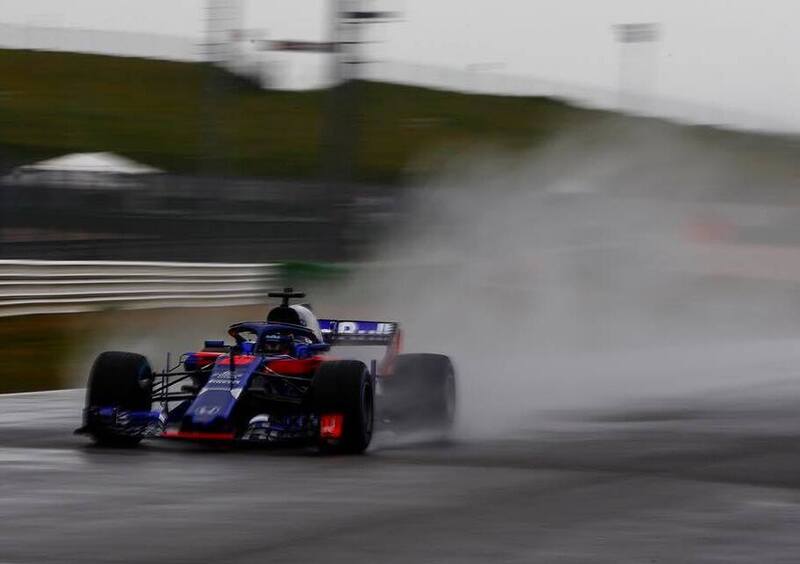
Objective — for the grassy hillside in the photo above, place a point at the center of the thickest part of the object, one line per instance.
(162, 113)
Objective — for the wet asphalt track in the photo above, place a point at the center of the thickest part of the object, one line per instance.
(700, 481)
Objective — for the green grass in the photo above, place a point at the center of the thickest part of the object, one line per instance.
(160, 113)
(35, 351)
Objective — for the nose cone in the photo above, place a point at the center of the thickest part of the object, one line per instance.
(210, 410)
(205, 415)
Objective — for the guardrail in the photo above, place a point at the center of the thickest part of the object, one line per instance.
(37, 286)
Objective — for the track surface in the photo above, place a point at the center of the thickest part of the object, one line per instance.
(700, 481)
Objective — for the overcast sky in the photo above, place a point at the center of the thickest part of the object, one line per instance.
(742, 55)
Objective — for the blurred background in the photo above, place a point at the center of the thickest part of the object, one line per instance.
(592, 207)
(598, 178)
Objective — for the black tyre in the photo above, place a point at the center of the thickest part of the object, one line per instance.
(421, 391)
(119, 380)
(345, 387)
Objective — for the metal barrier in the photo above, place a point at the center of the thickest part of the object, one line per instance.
(37, 286)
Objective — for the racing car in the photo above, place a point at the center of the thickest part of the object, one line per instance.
(275, 383)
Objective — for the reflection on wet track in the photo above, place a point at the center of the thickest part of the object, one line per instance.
(673, 481)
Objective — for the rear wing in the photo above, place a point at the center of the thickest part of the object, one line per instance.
(352, 332)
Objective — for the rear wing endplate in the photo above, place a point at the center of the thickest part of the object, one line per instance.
(352, 332)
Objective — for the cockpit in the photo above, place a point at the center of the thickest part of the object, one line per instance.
(289, 331)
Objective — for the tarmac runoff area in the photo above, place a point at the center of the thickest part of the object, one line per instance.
(670, 481)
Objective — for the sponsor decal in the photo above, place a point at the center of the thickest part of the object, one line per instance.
(331, 426)
(360, 328)
(207, 410)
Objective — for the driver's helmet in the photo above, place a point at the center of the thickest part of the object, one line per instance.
(296, 315)
(278, 343)
(308, 320)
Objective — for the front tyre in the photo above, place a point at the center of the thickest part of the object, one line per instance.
(119, 381)
(344, 388)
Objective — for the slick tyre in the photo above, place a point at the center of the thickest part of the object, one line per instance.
(345, 387)
(118, 380)
(421, 390)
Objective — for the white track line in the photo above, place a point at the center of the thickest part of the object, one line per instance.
(39, 392)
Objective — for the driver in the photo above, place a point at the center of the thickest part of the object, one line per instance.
(278, 344)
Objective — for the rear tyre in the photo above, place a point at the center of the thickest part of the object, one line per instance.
(118, 380)
(421, 391)
(345, 387)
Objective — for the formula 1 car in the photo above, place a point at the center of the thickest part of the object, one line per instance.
(273, 384)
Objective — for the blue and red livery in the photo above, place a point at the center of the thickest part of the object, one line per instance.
(276, 382)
